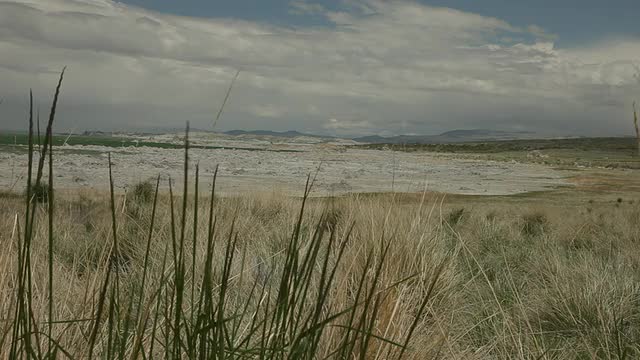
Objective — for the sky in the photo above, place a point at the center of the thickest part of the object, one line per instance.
(337, 67)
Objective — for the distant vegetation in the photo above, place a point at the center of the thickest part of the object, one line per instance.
(109, 141)
(113, 141)
(449, 137)
(613, 152)
(613, 144)
(284, 134)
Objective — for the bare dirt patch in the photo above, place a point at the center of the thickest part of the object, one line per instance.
(607, 181)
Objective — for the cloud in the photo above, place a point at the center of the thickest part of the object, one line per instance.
(348, 127)
(302, 7)
(378, 67)
(268, 111)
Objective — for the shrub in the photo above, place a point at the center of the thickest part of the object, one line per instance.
(491, 215)
(455, 216)
(332, 218)
(40, 192)
(534, 224)
(143, 191)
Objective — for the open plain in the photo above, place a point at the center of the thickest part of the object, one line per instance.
(256, 164)
(396, 252)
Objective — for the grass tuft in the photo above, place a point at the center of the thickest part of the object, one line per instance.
(40, 192)
(455, 216)
(143, 192)
(534, 224)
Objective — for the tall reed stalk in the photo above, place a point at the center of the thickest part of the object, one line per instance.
(637, 127)
(191, 309)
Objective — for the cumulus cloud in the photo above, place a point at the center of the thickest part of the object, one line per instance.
(377, 67)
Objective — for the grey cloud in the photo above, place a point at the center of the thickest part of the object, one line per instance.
(302, 7)
(144, 20)
(78, 16)
(401, 66)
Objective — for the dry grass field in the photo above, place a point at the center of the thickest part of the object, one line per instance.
(551, 275)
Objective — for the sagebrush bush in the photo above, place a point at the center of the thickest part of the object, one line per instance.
(534, 224)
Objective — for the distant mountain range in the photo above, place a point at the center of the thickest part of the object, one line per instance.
(285, 134)
(454, 136)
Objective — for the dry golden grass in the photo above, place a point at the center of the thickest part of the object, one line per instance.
(529, 281)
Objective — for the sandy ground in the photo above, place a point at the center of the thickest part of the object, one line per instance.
(284, 167)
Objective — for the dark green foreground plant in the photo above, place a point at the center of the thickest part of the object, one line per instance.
(196, 314)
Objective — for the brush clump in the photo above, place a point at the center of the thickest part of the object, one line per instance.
(534, 224)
